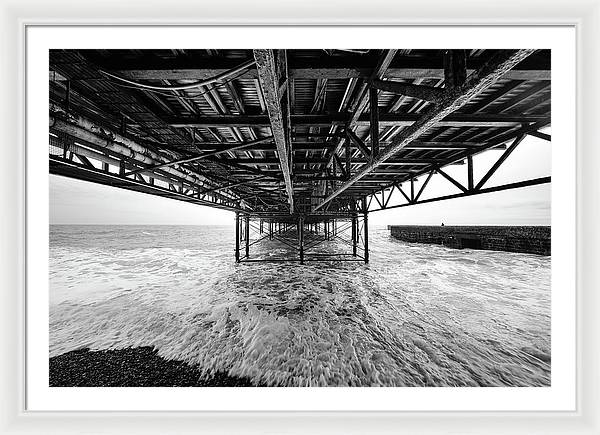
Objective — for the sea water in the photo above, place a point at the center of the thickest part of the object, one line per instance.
(416, 315)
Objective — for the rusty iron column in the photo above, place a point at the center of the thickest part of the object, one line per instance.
(366, 228)
(301, 238)
(270, 230)
(247, 236)
(237, 237)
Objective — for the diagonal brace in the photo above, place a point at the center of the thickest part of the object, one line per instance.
(455, 98)
(359, 143)
(202, 156)
(499, 162)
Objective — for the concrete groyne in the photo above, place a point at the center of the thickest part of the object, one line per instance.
(526, 239)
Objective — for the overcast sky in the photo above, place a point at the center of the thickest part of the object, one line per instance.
(79, 202)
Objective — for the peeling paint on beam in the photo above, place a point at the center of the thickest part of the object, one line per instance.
(269, 82)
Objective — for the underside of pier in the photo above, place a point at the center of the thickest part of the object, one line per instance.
(300, 144)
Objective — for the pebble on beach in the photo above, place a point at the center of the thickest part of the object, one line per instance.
(132, 367)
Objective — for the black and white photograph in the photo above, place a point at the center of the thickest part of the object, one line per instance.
(272, 217)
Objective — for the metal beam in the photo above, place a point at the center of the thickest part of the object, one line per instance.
(455, 67)
(247, 235)
(499, 162)
(237, 237)
(470, 184)
(403, 193)
(423, 186)
(381, 68)
(323, 146)
(301, 238)
(227, 186)
(71, 169)
(205, 155)
(487, 120)
(493, 143)
(365, 209)
(85, 130)
(517, 185)
(361, 100)
(269, 81)
(455, 98)
(359, 143)
(340, 166)
(540, 135)
(404, 67)
(340, 73)
(320, 161)
(450, 179)
(422, 92)
(348, 159)
(374, 127)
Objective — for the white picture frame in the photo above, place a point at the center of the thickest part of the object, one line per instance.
(585, 16)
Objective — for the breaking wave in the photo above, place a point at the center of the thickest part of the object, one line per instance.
(417, 315)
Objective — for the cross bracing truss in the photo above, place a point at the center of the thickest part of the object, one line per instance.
(293, 134)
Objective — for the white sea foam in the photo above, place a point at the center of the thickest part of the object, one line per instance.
(416, 315)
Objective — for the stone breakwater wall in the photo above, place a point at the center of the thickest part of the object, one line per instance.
(530, 240)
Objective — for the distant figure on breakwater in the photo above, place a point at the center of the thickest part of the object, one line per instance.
(442, 223)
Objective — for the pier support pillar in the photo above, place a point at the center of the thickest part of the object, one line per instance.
(366, 228)
(354, 234)
(237, 237)
(301, 238)
(270, 230)
(247, 236)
